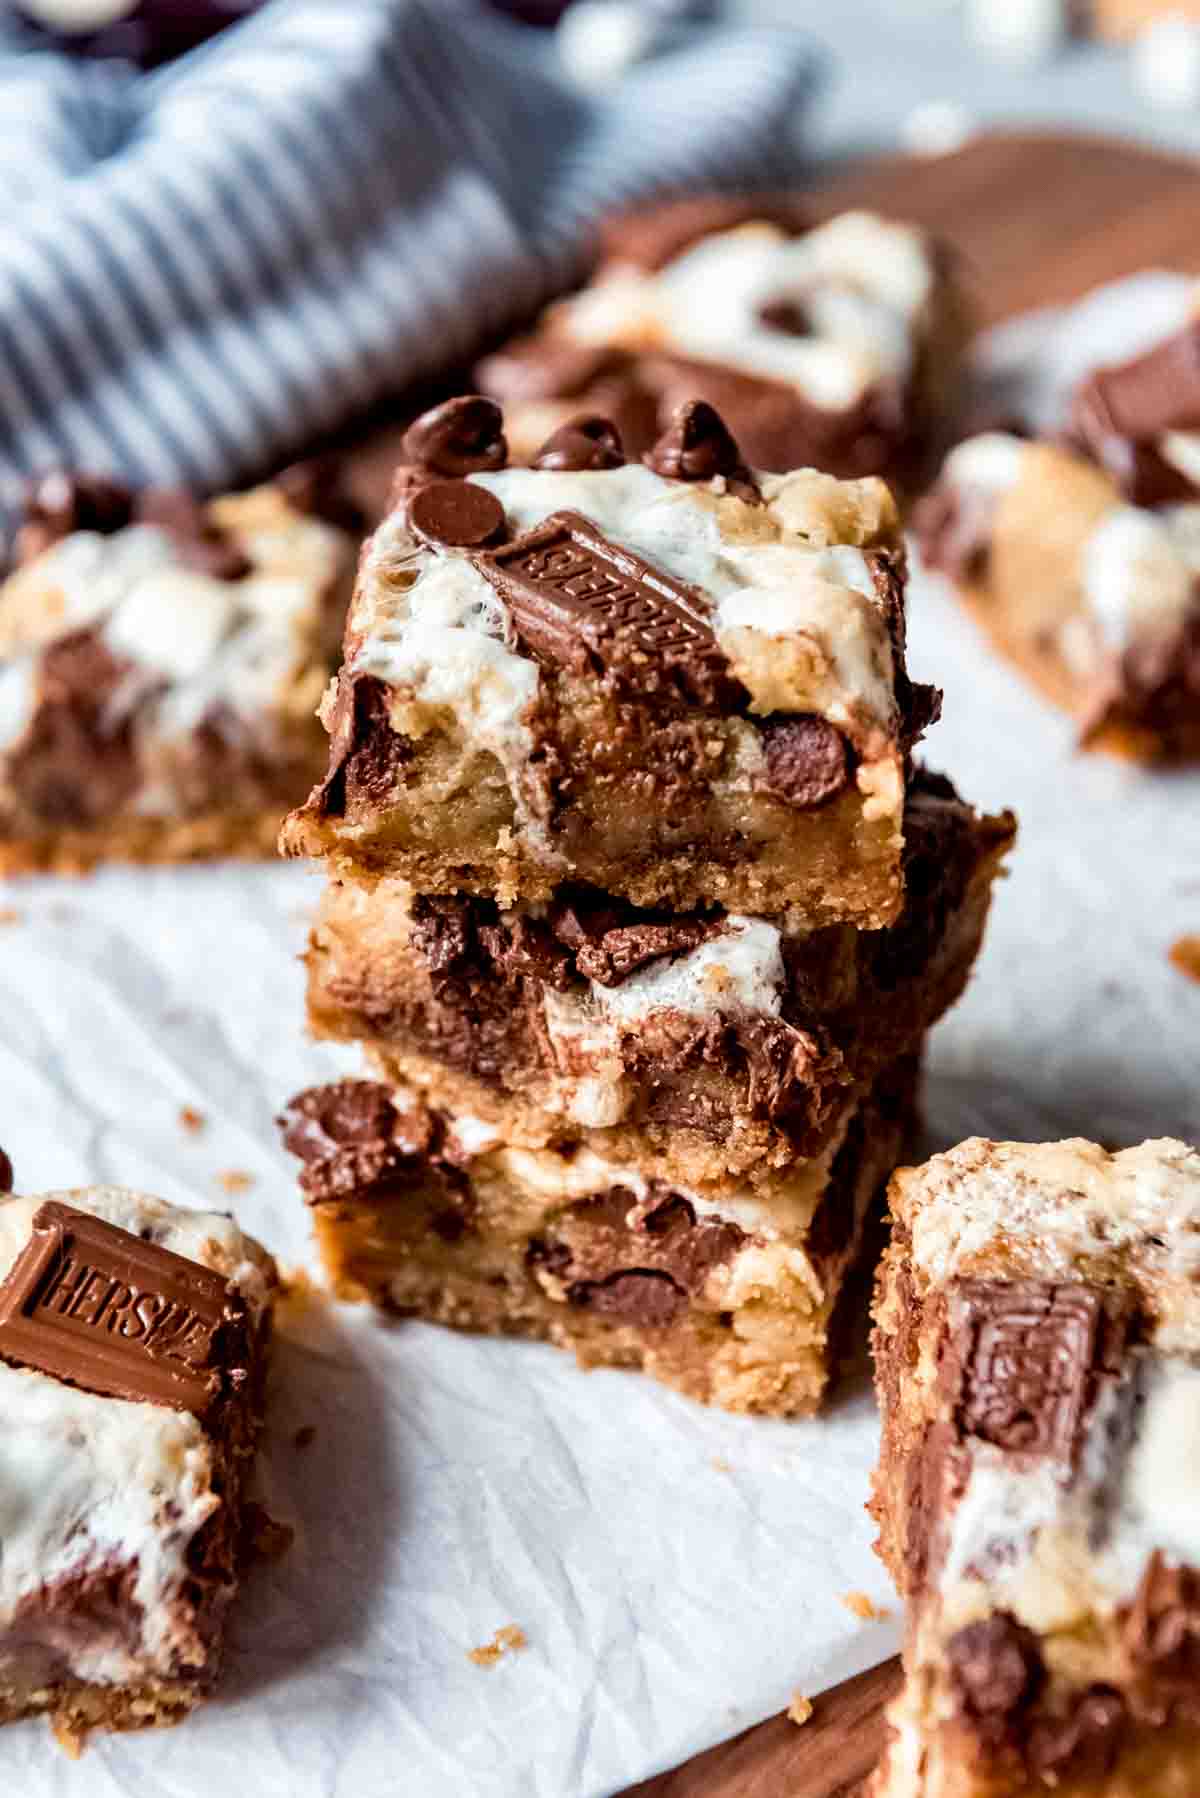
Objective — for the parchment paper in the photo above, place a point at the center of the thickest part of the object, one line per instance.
(677, 1573)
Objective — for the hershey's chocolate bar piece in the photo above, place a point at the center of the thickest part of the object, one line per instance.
(590, 605)
(95, 1306)
(1028, 1350)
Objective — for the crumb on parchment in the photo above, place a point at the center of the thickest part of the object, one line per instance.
(9, 914)
(191, 1119)
(800, 1709)
(864, 1607)
(235, 1179)
(1185, 955)
(721, 1465)
(509, 1639)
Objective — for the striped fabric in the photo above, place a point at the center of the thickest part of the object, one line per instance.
(202, 267)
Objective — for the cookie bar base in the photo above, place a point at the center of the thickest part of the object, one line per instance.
(449, 825)
(74, 1709)
(148, 842)
(772, 1352)
(1124, 734)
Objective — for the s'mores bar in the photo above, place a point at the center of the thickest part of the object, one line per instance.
(133, 1342)
(1038, 1355)
(673, 680)
(834, 345)
(1080, 554)
(729, 1295)
(700, 1045)
(161, 661)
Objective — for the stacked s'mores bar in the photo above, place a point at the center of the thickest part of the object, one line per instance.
(636, 901)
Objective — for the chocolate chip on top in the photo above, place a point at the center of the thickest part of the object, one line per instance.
(59, 503)
(697, 446)
(456, 515)
(461, 436)
(582, 446)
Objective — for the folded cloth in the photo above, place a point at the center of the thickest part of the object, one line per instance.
(203, 267)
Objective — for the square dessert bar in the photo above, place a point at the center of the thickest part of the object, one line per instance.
(670, 680)
(835, 345)
(700, 1046)
(728, 1295)
(1080, 555)
(1038, 1356)
(161, 662)
(133, 1342)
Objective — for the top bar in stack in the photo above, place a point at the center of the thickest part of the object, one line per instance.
(836, 344)
(676, 681)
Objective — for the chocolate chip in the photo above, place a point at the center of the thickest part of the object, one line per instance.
(790, 316)
(59, 503)
(996, 1668)
(456, 515)
(197, 541)
(315, 488)
(6, 1173)
(695, 446)
(807, 764)
(461, 436)
(580, 446)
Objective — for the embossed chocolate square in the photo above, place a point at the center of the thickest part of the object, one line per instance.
(673, 679)
(133, 1341)
(102, 1309)
(1038, 1354)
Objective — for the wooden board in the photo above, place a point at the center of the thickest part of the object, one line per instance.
(1040, 220)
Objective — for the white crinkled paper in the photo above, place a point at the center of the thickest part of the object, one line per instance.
(677, 1573)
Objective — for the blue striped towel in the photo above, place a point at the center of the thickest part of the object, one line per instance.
(203, 267)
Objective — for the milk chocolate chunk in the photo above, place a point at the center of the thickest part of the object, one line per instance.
(103, 1309)
(1028, 1349)
(1085, 1738)
(996, 1669)
(352, 1140)
(1118, 414)
(650, 1300)
(456, 515)
(807, 763)
(1161, 1628)
(592, 606)
(581, 446)
(365, 753)
(460, 437)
